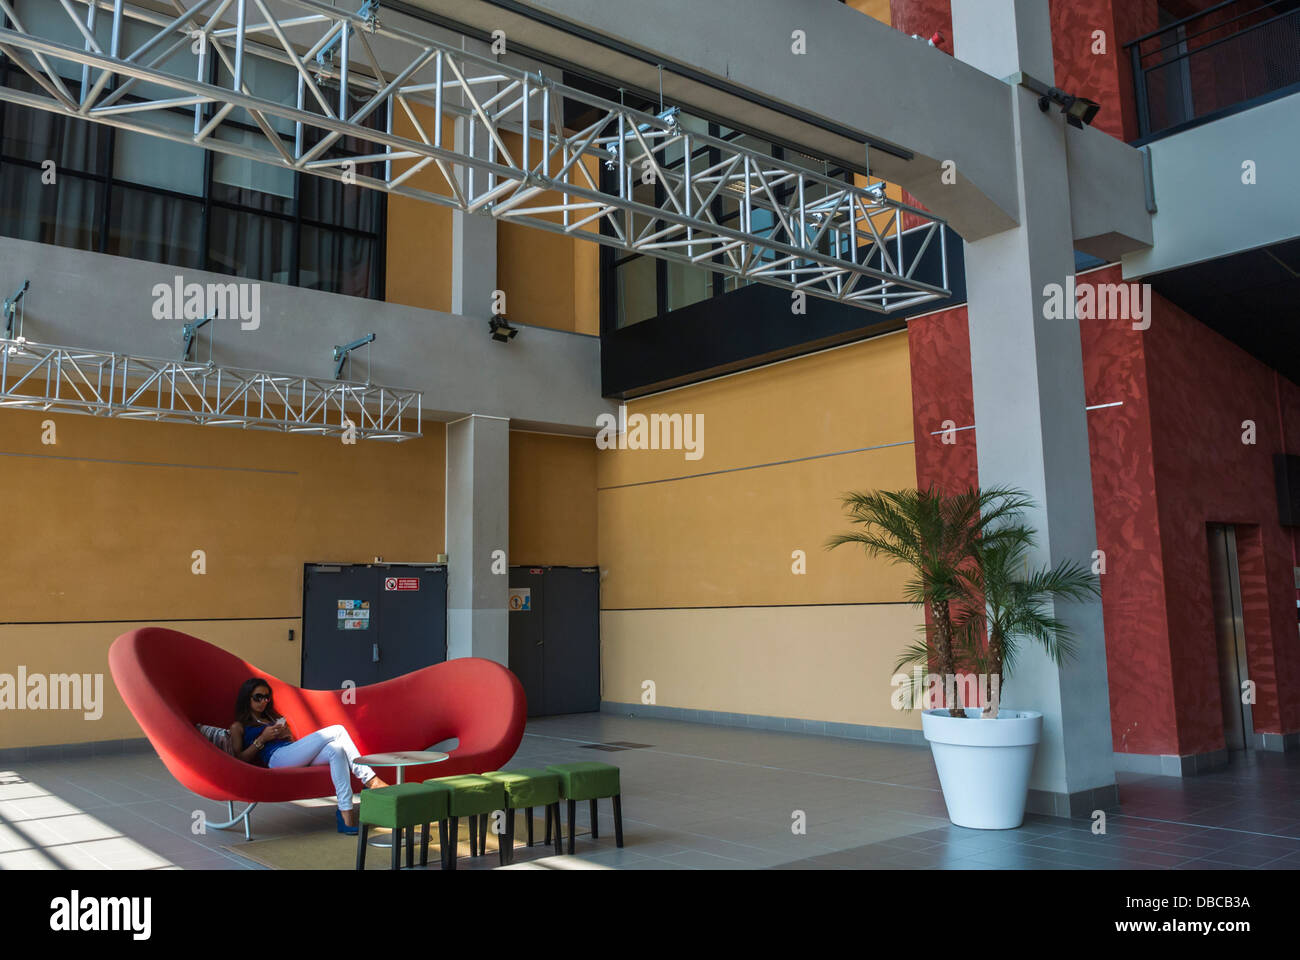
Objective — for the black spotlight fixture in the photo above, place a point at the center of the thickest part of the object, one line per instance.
(501, 330)
(1079, 111)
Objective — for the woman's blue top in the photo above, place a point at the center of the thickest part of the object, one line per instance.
(251, 734)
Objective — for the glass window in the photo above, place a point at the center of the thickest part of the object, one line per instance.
(156, 227)
(636, 291)
(249, 245)
(687, 285)
(154, 162)
(250, 183)
(39, 135)
(340, 204)
(49, 20)
(182, 62)
(336, 262)
(273, 81)
(66, 213)
(129, 194)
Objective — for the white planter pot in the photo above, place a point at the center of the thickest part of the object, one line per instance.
(984, 764)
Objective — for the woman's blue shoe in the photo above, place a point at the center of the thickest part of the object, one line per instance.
(343, 827)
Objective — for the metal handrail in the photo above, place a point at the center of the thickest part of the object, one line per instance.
(1141, 72)
(1195, 16)
(1213, 43)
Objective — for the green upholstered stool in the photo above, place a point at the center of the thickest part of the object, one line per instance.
(527, 788)
(590, 780)
(400, 808)
(470, 796)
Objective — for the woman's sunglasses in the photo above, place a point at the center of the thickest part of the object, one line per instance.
(259, 697)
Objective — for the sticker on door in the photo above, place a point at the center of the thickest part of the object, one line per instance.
(354, 615)
(521, 600)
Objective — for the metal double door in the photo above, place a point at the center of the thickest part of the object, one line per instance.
(363, 623)
(555, 638)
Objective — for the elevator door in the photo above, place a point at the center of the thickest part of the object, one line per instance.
(1230, 635)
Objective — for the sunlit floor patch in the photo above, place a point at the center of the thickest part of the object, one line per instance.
(40, 831)
(557, 863)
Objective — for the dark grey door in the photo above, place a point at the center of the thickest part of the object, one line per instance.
(340, 622)
(571, 653)
(365, 623)
(1230, 636)
(527, 636)
(555, 638)
(413, 618)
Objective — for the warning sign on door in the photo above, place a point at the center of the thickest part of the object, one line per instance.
(401, 583)
(354, 615)
(521, 600)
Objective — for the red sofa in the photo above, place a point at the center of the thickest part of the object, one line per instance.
(172, 681)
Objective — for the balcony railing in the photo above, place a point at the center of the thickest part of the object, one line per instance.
(1214, 62)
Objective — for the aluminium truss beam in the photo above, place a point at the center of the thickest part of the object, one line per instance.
(40, 376)
(667, 191)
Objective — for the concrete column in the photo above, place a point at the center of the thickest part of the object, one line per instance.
(478, 523)
(1030, 423)
(473, 235)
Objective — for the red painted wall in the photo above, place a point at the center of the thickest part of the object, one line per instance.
(1102, 76)
(1202, 390)
(939, 349)
(1165, 463)
(1138, 657)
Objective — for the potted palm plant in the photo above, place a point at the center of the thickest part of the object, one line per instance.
(968, 553)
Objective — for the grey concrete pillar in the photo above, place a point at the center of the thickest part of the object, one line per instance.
(473, 235)
(1030, 424)
(478, 524)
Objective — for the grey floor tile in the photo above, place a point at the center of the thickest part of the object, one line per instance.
(699, 796)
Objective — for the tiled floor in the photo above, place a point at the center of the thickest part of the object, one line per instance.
(695, 797)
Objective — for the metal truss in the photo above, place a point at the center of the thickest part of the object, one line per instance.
(638, 182)
(38, 376)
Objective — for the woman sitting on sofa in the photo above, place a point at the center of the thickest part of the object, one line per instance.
(261, 735)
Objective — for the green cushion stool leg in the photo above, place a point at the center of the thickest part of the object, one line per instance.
(361, 846)
(573, 809)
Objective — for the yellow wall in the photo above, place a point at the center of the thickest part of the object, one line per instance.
(549, 280)
(879, 9)
(64, 648)
(552, 500)
(830, 663)
(698, 591)
(418, 264)
(101, 528)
